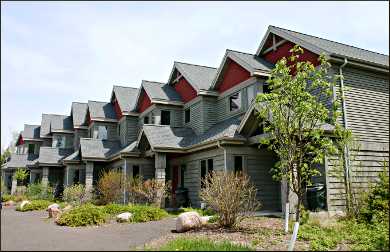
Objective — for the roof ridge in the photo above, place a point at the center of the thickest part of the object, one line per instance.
(330, 40)
(79, 102)
(124, 86)
(156, 82)
(240, 52)
(194, 64)
(97, 101)
(54, 114)
(32, 124)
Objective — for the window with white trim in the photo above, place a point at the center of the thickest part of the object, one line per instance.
(100, 132)
(235, 101)
(206, 167)
(251, 93)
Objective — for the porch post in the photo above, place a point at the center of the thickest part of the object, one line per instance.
(160, 160)
(45, 176)
(88, 176)
(14, 183)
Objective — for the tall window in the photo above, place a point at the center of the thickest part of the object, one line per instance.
(146, 120)
(238, 163)
(135, 171)
(251, 91)
(100, 132)
(235, 101)
(187, 116)
(206, 167)
(165, 117)
(182, 170)
(31, 148)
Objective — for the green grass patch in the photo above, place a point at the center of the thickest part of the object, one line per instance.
(35, 205)
(182, 244)
(83, 215)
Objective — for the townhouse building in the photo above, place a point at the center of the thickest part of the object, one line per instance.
(204, 119)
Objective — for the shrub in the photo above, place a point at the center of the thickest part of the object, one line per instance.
(75, 194)
(201, 244)
(141, 213)
(109, 186)
(39, 191)
(21, 174)
(376, 207)
(83, 215)
(230, 195)
(150, 191)
(7, 197)
(4, 188)
(202, 212)
(35, 205)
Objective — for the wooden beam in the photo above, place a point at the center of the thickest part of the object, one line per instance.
(274, 47)
(177, 79)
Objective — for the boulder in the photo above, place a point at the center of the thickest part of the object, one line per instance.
(9, 203)
(24, 202)
(124, 217)
(55, 205)
(205, 219)
(54, 212)
(187, 221)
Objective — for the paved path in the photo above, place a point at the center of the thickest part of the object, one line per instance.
(33, 231)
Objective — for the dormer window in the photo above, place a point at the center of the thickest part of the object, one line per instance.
(235, 101)
(146, 120)
(165, 117)
(100, 132)
(187, 116)
(251, 93)
(59, 141)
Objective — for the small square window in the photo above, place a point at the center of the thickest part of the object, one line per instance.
(235, 101)
(187, 116)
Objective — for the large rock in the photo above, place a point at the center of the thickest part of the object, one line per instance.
(55, 205)
(9, 203)
(24, 202)
(124, 217)
(187, 221)
(205, 219)
(54, 212)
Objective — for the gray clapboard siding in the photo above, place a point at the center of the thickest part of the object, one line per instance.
(112, 133)
(132, 129)
(196, 121)
(209, 117)
(79, 133)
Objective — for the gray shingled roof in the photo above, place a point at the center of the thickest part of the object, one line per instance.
(251, 60)
(127, 97)
(31, 131)
(52, 122)
(335, 48)
(97, 148)
(200, 77)
(162, 136)
(132, 147)
(160, 91)
(79, 113)
(101, 110)
(21, 160)
(52, 155)
(75, 156)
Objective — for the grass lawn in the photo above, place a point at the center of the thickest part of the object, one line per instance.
(201, 244)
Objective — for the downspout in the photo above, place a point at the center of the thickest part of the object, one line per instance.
(224, 155)
(346, 150)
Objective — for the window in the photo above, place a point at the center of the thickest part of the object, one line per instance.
(165, 117)
(235, 101)
(119, 129)
(182, 170)
(251, 91)
(266, 88)
(146, 120)
(187, 116)
(100, 132)
(59, 141)
(238, 163)
(206, 168)
(19, 149)
(135, 171)
(31, 148)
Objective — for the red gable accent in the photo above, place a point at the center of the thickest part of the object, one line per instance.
(283, 51)
(234, 75)
(20, 140)
(186, 91)
(117, 109)
(144, 101)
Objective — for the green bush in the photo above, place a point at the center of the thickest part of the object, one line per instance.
(75, 194)
(35, 205)
(184, 244)
(202, 212)
(141, 213)
(21, 174)
(7, 197)
(39, 191)
(83, 215)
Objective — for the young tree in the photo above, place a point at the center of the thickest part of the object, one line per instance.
(294, 116)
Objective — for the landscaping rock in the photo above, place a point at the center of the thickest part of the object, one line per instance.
(9, 203)
(24, 202)
(54, 212)
(55, 205)
(124, 217)
(187, 221)
(205, 219)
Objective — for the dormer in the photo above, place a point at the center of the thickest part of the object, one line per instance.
(102, 120)
(124, 100)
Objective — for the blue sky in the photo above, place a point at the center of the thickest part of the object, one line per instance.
(56, 53)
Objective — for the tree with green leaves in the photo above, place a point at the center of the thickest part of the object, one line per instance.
(297, 120)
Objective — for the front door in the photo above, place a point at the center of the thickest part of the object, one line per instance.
(175, 181)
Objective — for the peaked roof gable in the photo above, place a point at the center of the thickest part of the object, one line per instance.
(330, 48)
(79, 113)
(101, 110)
(126, 97)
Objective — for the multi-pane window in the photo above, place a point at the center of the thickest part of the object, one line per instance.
(206, 167)
(31, 148)
(235, 101)
(100, 132)
(187, 116)
(238, 163)
(251, 93)
(165, 117)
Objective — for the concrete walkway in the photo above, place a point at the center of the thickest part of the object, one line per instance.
(33, 231)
